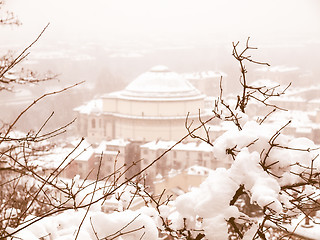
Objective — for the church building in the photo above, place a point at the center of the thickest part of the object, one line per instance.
(153, 106)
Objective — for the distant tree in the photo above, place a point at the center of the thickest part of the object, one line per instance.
(108, 82)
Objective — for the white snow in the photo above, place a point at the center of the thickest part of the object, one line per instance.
(204, 75)
(261, 168)
(198, 170)
(279, 68)
(184, 146)
(54, 158)
(159, 81)
(211, 200)
(93, 106)
(128, 224)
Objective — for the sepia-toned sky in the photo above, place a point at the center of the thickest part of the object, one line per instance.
(131, 36)
(174, 20)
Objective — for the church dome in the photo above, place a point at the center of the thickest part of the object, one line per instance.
(160, 82)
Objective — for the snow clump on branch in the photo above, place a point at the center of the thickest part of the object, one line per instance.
(128, 225)
(264, 161)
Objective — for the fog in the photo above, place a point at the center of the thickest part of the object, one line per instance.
(205, 21)
(108, 43)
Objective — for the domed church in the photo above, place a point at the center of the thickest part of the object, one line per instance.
(153, 106)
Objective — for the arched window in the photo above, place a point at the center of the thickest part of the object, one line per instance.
(93, 123)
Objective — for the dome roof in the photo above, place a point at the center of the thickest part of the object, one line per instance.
(160, 82)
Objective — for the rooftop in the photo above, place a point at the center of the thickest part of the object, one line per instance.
(160, 82)
(188, 146)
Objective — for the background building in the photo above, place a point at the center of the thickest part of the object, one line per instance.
(147, 118)
(153, 106)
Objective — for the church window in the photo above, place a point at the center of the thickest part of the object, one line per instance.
(93, 123)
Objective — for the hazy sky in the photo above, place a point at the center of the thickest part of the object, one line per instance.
(174, 20)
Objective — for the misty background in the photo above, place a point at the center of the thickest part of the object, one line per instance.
(108, 43)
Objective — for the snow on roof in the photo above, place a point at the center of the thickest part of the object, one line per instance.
(93, 106)
(285, 98)
(75, 142)
(194, 146)
(173, 172)
(160, 96)
(188, 146)
(279, 68)
(102, 148)
(264, 82)
(300, 120)
(222, 126)
(155, 145)
(297, 117)
(303, 130)
(82, 154)
(57, 155)
(297, 227)
(16, 134)
(203, 75)
(117, 142)
(160, 82)
(108, 152)
(293, 91)
(198, 170)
